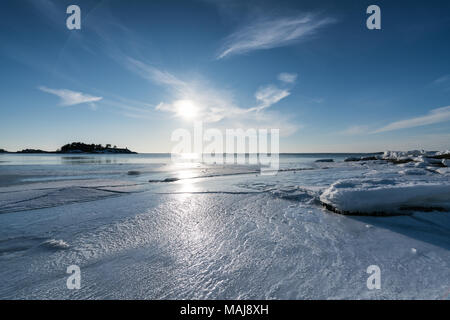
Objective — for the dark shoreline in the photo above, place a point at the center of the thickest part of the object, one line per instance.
(79, 148)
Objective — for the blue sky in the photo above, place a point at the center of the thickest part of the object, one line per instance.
(137, 70)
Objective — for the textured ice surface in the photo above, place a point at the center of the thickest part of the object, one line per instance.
(36, 199)
(211, 235)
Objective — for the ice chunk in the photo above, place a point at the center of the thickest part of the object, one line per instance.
(413, 172)
(403, 154)
(444, 170)
(56, 244)
(385, 196)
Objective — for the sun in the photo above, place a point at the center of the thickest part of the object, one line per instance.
(186, 109)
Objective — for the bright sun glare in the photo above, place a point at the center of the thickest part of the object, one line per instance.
(186, 109)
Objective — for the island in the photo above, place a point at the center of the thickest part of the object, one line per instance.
(33, 151)
(80, 147)
(3, 151)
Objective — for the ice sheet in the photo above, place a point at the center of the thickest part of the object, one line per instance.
(221, 233)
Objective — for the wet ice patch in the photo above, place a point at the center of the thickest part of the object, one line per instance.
(37, 199)
(17, 246)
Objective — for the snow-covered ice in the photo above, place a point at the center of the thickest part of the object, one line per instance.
(387, 196)
(220, 232)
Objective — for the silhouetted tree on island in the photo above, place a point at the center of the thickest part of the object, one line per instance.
(76, 147)
(80, 147)
(33, 151)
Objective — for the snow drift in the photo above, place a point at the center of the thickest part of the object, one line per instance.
(385, 196)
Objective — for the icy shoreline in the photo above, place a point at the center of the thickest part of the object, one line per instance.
(386, 196)
(382, 184)
(224, 233)
(418, 180)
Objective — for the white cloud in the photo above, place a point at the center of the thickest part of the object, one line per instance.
(268, 96)
(287, 77)
(434, 116)
(271, 33)
(70, 98)
(153, 74)
(197, 99)
(211, 105)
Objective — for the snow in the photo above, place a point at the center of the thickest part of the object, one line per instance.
(413, 172)
(217, 232)
(444, 171)
(427, 157)
(417, 180)
(404, 154)
(56, 244)
(446, 162)
(388, 196)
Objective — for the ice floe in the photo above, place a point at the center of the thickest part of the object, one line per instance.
(55, 244)
(385, 196)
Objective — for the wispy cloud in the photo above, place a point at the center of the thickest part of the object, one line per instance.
(211, 104)
(131, 108)
(71, 98)
(317, 100)
(154, 74)
(355, 130)
(269, 95)
(287, 77)
(443, 79)
(271, 33)
(442, 82)
(434, 116)
(49, 10)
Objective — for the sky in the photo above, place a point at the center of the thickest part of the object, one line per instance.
(138, 70)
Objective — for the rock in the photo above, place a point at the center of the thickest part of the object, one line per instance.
(165, 180)
(352, 159)
(442, 156)
(434, 161)
(400, 160)
(32, 151)
(324, 160)
(133, 173)
(371, 158)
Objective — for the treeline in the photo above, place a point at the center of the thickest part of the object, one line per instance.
(80, 147)
(91, 148)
